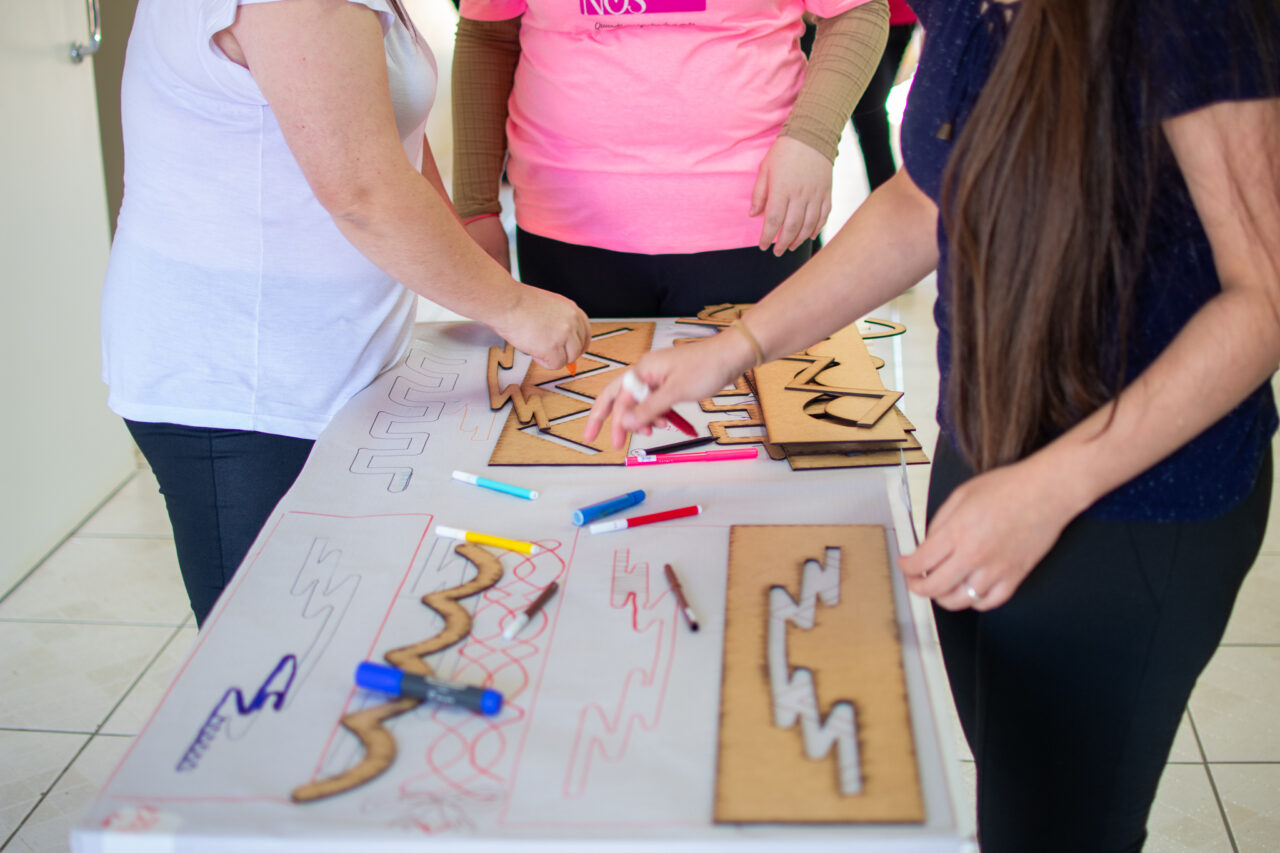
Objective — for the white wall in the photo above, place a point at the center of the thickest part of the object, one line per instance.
(63, 451)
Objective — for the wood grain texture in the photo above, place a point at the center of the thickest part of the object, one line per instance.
(854, 654)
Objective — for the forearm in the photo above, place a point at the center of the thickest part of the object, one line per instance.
(1203, 374)
(846, 51)
(484, 63)
(887, 246)
(388, 221)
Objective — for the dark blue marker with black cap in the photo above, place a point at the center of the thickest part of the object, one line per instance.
(388, 679)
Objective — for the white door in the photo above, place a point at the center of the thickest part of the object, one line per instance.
(63, 452)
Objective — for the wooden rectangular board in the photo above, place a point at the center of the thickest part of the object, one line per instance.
(853, 655)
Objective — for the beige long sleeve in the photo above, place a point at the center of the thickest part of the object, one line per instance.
(846, 51)
(485, 56)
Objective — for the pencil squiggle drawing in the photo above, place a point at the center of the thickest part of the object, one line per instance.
(795, 698)
(368, 724)
(402, 437)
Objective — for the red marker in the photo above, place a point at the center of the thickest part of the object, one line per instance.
(651, 518)
(639, 391)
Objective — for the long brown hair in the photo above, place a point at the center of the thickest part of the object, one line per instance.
(1045, 215)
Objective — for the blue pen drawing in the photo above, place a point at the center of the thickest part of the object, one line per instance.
(232, 705)
(794, 697)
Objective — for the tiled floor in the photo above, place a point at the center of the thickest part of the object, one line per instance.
(90, 640)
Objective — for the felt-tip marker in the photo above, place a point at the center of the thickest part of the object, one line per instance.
(651, 518)
(639, 391)
(485, 539)
(388, 679)
(516, 625)
(697, 456)
(609, 507)
(505, 488)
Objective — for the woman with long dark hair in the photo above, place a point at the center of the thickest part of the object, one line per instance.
(1097, 183)
(281, 209)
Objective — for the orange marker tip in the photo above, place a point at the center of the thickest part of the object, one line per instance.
(572, 367)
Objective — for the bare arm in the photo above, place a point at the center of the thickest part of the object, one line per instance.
(995, 528)
(321, 66)
(887, 246)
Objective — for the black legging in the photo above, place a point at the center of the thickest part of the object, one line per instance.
(870, 119)
(1071, 692)
(219, 486)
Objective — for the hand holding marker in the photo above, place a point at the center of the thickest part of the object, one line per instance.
(638, 390)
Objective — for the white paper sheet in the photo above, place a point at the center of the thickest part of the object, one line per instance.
(608, 732)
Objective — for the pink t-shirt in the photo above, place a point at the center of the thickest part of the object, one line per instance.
(639, 125)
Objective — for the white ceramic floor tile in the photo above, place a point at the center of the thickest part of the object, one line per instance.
(135, 510)
(142, 700)
(31, 761)
(68, 677)
(1185, 817)
(1256, 617)
(104, 579)
(1250, 794)
(1234, 704)
(48, 829)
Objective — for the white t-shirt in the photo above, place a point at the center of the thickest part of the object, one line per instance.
(231, 299)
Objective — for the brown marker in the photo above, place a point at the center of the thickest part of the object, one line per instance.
(680, 599)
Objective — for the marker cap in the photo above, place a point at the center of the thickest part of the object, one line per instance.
(375, 676)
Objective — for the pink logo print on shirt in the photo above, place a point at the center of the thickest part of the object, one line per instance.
(641, 7)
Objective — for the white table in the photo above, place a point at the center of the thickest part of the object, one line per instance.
(609, 729)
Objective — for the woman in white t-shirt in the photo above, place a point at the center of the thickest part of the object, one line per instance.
(278, 194)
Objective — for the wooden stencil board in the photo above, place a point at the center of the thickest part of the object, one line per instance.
(854, 656)
(611, 343)
(783, 407)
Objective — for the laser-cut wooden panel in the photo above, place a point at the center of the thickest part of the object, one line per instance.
(562, 415)
(855, 656)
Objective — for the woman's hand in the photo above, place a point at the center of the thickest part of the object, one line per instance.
(678, 374)
(988, 536)
(489, 234)
(793, 192)
(546, 325)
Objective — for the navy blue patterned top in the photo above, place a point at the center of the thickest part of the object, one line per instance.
(1217, 469)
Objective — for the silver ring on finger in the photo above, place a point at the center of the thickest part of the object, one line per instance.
(973, 594)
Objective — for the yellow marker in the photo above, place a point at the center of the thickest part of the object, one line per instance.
(486, 539)
(572, 367)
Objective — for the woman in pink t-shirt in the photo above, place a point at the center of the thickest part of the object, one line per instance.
(656, 148)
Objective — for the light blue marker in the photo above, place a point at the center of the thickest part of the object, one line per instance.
(507, 488)
(609, 507)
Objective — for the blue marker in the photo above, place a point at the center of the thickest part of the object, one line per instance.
(609, 507)
(507, 488)
(388, 679)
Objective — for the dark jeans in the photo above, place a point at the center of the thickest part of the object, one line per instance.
(870, 119)
(1071, 692)
(219, 486)
(605, 283)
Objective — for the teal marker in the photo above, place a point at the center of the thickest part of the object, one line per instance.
(485, 482)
